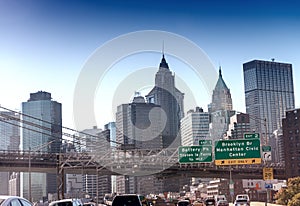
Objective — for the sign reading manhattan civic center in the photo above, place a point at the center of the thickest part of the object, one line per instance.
(234, 152)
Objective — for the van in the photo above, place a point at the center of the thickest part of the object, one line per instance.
(129, 200)
(243, 197)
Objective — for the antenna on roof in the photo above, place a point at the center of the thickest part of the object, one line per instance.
(163, 48)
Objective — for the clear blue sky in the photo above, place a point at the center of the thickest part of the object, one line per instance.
(45, 43)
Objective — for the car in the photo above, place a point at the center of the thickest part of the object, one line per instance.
(241, 202)
(129, 200)
(198, 203)
(222, 203)
(14, 200)
(66, 202)
(210, 201)
(243, 196)
(183, 203)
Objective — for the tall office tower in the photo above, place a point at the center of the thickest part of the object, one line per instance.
(111, 126)
(269, 92)
(221, 98)
(194, 127)
(220, 109)
(44, 136)
(96, 142)
(239, 125)
(170, 99)
(138, 126)
(10, 140)
(276, 141)
(291, 142)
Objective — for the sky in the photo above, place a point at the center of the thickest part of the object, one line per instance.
(45, 45)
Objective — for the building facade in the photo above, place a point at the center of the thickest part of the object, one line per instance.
(170, 99)
(10, 140)
(220, 110)
(44, 133)
(239, 125)
(194, 127)
(138, 126)
(269, 92)
(291, 142)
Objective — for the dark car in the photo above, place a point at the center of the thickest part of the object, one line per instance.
(210, 202)
(129, 200)
(183, 203)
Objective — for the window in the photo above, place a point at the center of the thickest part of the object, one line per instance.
(25, 203)
(15, 202)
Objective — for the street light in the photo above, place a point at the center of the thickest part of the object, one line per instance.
(265, 143)
(29, 164)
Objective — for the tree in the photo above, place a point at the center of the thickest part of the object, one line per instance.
(285, 195)
(295, 201)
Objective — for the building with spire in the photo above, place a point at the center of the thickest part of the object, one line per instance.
(220, 109)
(170, 99)
(221, 98)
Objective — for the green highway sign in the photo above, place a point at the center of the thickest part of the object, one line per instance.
(191, 154)
(205, 142)
(251, 135)
(240, 151)
(266, 148)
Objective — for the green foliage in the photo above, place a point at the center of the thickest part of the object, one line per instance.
(295, 201)
(286, 196)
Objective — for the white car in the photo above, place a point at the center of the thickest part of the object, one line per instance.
(66, 202)
(241, 202)
(13, 200)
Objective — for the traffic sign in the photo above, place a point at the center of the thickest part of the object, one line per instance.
(205, 142)
(235, 152)
(266, 153)
(266, 148)
(238, 161)
(190, 154)
(268, 173)
(251, 135)
(268, 185)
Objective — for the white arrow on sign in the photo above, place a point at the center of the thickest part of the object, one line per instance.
(267, 156)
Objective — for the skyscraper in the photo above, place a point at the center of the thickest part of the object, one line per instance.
(220, 109)
(45, 135)
(221, 98)
(170, 100)
(10, 140)
(138, 126)
(291, 142)
(269, 92)
(194, 127)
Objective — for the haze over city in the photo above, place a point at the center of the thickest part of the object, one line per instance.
(45, 44)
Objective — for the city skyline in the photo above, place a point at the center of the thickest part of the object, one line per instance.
(44, 44)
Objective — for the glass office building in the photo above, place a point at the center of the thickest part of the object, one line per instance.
(269, 92)
(41, 131)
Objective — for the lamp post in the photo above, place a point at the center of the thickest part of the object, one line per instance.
(29, 165)
(265, 143)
